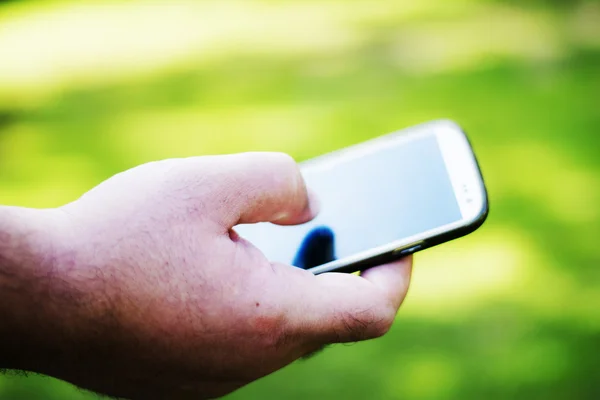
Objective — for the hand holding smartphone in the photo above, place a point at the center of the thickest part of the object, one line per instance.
(382, 200)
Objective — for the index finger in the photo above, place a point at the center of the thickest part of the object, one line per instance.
(338, 307)
(393, 279)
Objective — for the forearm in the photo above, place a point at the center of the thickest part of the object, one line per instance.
(26, 268)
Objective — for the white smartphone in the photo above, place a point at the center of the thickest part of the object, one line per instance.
(382, 200)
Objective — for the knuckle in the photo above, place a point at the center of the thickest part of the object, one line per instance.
(385, 320)
(367, 323)
(354, 328)
(357, 325)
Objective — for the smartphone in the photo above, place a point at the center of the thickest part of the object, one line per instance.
(382, 200)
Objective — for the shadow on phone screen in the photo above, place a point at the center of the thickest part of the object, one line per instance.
(317, 248)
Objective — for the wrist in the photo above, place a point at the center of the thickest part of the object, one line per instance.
(28, 243)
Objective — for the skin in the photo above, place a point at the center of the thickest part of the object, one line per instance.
(142, 289)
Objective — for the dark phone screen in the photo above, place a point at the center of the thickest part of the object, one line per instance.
(365, 202)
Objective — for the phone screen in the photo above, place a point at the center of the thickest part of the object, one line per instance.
(365, 202)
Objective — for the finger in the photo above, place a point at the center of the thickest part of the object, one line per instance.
(393, 279)
(263, 187)
(336, 307)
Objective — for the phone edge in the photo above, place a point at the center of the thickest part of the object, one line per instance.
(428, 242)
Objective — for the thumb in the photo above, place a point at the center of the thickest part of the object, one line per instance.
(261, 187)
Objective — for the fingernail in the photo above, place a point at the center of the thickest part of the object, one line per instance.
(281, 216)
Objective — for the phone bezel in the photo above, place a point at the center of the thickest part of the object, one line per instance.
(465, 176)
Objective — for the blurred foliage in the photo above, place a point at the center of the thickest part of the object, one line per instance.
(90, 88)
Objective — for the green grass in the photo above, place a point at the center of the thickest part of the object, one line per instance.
(509, 312)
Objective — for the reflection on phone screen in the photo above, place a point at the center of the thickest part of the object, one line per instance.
(317, 248)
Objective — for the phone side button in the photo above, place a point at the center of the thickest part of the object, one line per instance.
(408, 250)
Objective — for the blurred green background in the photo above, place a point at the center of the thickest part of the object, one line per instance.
(88, 89)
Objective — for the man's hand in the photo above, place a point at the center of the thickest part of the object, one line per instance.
(142, 289)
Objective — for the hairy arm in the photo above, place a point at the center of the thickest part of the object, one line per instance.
(26, 267)
(53, 311)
